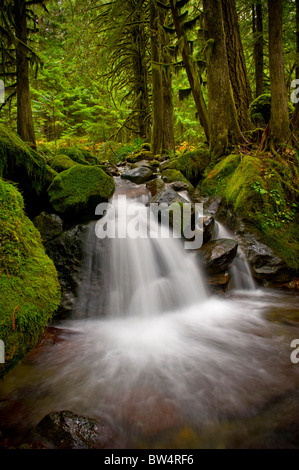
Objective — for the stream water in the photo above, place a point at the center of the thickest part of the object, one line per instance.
(165, 362)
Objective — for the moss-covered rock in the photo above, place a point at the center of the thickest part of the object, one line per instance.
(22, 165)
(169, 176)
(78, 155)
(29, 288)
(262, 190)
(192, 164)
(61, 163)
(260, 109)
(75, 193)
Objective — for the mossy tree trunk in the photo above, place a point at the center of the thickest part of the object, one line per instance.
(297, 39)
(141, 75)
(224, 126)
(157, 89)
(162, 104)
(258, 35)
(236, 63)
(24, 112)
(191, 70)
(168, 143)
(280, 122)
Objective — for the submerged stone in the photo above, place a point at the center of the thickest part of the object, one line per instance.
(67, 430)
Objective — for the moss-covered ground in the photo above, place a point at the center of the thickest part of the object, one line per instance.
(262, 189)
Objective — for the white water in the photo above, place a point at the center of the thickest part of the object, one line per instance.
(166, 355)
(240, 269)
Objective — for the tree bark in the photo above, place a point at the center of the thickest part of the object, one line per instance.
(191, 71)
(280, 122)
(236, 63)
(168, 143)
(25, 127)
(258, 34)
(224, 126)
(141, 77)
(297, 39)
(157, 91)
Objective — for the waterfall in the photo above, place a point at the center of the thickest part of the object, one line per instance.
(147, 275)
(240, 270)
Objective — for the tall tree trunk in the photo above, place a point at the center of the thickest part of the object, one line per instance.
(280, 122)
(24, 112)
(297, 39)
(168, 143)
(157, 91)
(258, 33)
(224, 126)
(192, 72)
(236, 63)
(141, 76)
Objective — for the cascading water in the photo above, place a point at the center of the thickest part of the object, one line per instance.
(240, 269)
(151, 353)
(149, 275)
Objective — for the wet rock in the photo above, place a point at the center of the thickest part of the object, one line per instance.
(49, 225)
(208, 228)
(170, 176)
(180, 186)
(138, 175)
(167, 201)
(266, 266)
(167, 164)
(67, 430)
(66, 251)
(218, 282)
(155, 186)
(168, 196)
(217, 255)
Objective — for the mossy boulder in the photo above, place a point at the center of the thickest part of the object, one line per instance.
(260, 110)
(78, 155)
(29, 287)
(169, 176)
(75, 193)
(61, 163)
(22, 165)
(262, 191)
(140, 155)
(192, 164)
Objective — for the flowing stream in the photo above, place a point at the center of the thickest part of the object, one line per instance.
(153, 352)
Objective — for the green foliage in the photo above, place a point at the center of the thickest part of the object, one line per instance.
(76, 192)
(28, 279)
(264, 191)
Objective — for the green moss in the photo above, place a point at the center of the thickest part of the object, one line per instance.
(192, 164)
(78, 155)
(264, 191)
(77, 191)
(61, 163)
(29, 288)
(19, 163)
(260, 109)
(169, 176)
